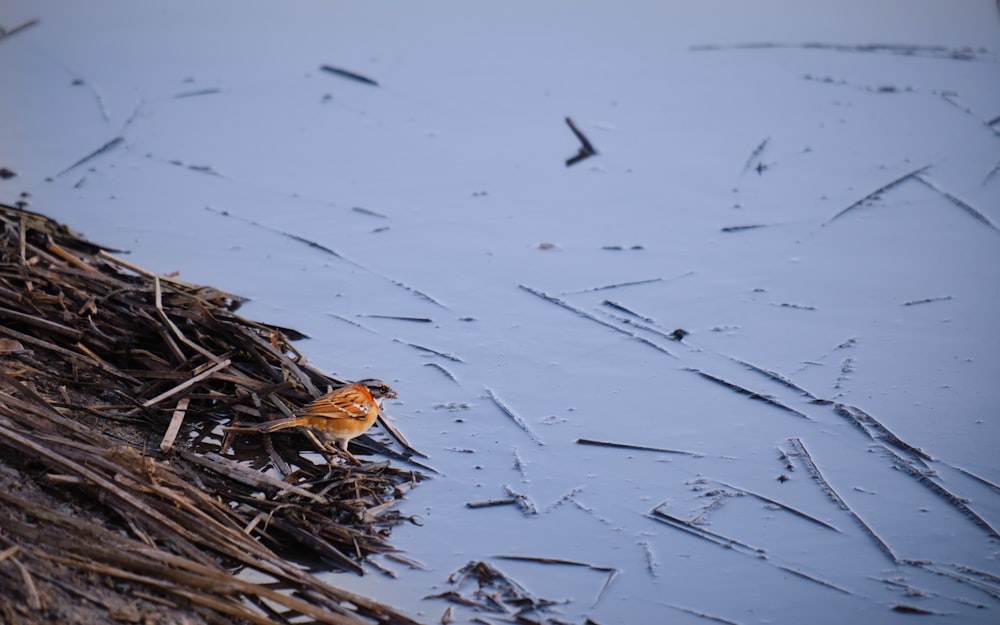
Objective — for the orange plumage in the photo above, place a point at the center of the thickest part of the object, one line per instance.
(337, 417)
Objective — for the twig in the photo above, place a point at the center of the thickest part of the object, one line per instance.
(927, 300)
(558, 302)
(300, 372)
(811, 578)
(986, 586)
(756, 152)
(348, 74)
(7, 33)
(9, 552)
(34, 601)
(777, 377)
(104, 364)
(121, 262)
(38, 322)
(831, 494)
(586, 148)
(107, 147)
(514, 416)
(22, 235)
(447, 373)
(175, 424)
(528, 507)
(875, 429)
(619, 285)
(925, 479)
(397, 435)
(627, 311)
(490, 503)
(451, 357)
(664, 450)
(752, 395)
(723, 541)
(177, 331)
(908, 50)
(956, 201)
(64, 254)
(704, 615)
(675, 335)
(610, 570)
(400, 318)
(982, 480)
(321, 247)
(889, 185)
(180, 387)
(996, 168)
(775, 502)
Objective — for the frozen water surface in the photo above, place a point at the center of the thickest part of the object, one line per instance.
(810, 190)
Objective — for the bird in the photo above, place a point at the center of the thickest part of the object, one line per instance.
(337, 417)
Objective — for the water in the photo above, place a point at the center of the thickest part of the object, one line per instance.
(346, 210)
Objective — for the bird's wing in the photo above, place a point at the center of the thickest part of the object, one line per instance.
(349, 402)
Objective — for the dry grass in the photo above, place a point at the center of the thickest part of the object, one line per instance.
(120, 502)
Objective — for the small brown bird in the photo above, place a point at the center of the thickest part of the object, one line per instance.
(337, 417)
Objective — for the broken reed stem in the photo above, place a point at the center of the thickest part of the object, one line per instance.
(219, 366)
(22, 237)
(175, 424)
(173, 327)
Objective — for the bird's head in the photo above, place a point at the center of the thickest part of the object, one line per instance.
(379, 389)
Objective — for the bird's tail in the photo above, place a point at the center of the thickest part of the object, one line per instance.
(270, 426)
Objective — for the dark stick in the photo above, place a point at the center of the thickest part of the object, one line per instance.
(587, 441)
(7, 33)
(348, 74)
(586, 148)
(399, 318)
(620, 284)
(756, 152)
(898, 181)
(429, 350)
(489, 503)
(752, 395)
(110, 145)
(625, 310)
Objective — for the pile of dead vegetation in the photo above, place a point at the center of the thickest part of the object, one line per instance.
(119, 501)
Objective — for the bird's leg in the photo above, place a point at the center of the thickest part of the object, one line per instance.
(332, 447)
(323, 449)
(343, 449)
(350, 456)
